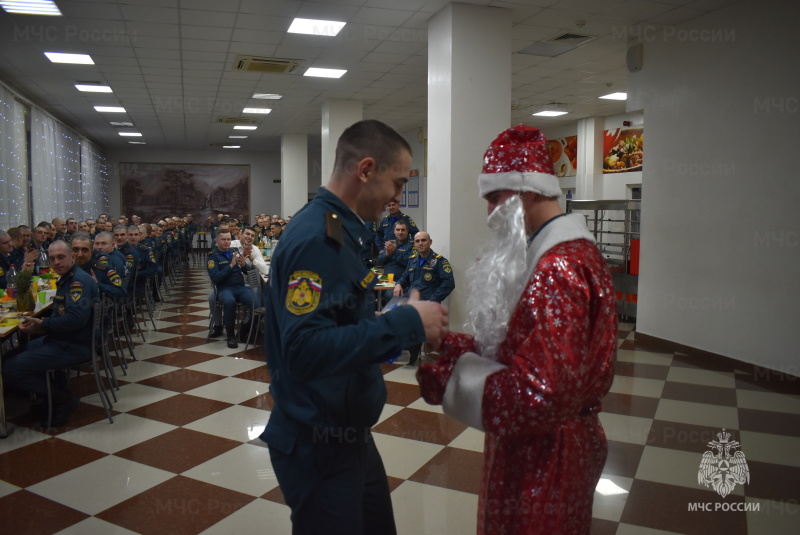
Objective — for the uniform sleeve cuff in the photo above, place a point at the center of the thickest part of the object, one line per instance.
(463, 397)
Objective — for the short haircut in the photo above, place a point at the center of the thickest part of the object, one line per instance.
(223, 231)
(105, 235)
(25, 227)
(43, 224)
(65, 244)
(15, 233)
(401, 223)
(81, 236)
(369, 139)
(251, 229)
(120, 227)
(133, 227)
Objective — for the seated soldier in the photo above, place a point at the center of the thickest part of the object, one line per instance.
(67, 336)
(225, 267)
(97, 265)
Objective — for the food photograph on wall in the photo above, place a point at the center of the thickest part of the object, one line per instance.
(623, 150)
(564, 152)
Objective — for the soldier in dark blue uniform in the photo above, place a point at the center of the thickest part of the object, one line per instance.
(225, 267)
(385, 230)
(67, 340)
(96, 264)
(395, 255)
(147, 268)
(6, 248)
(430, 274)
(325, 343)
(128, 251)
(104, 243)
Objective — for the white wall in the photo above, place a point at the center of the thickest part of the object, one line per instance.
(720, 225)
(265, 196)
(418, 163)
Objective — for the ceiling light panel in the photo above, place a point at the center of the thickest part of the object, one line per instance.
(262, 111)
(327, 28)
(110, 109)
(244, 127)
(267, 96)
(93, 88)
(31, 7)
(63, 57)
(616, 96)
(550, 113)
(324, 73)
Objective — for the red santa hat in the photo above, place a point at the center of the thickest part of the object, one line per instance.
(519, 160)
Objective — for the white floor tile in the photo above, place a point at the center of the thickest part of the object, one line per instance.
(713, 416)
(676, 467)
(236, 423)
(7, 488)
(141, 369)
(701, 377)
(401, 456)
(403, 374)
(609, 507)
(146, 351)
(133, 395)
(153, 336)
(768, 448)
(423, 405)
(470, 439)
(19, 437)
(245, 469)
(773, 517)
(101, 484)
(388, 411)
(637, 386)
(767, 401)
(622, 428)
(253, 519)
(425, 509)
(93, 526)
(227, 366)
(220, 347)
(231, 390)
(126, 431)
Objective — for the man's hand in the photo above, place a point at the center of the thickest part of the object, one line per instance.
(390, 247)
(248, 251)
(31, 255)
(434, 318)
(398, 290)
(31, 325)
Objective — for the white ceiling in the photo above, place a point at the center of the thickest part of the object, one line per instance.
(169, 62)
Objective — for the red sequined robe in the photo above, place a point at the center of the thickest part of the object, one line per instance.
(544, 446)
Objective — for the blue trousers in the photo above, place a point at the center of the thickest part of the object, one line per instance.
(229, 296)
(335, 488)
(217, 318)
(26, 371)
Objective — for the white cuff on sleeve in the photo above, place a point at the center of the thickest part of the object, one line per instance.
(463, 396)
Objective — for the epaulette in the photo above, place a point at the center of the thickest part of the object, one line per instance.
(437, 255)
(333, 225)
(99, 265)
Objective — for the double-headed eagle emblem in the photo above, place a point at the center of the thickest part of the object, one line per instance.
(723, 470)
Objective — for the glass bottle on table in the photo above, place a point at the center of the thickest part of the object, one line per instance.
(11, 284)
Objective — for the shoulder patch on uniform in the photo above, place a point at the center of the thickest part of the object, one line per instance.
(446, 267)
(304, 290)
(114, 277)
(75, 291)
(411, 222)
(2, 272)
(211, 264)
(369, 280)
(428, 276)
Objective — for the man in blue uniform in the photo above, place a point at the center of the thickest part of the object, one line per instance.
(225, 267)
(325, 343)
(96, 264)
(104, 242)
(6, 248)
(396, 253)
(385, 229)
(429, 273)
(67, 336)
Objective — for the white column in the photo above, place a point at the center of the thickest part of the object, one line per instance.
(294, 173)
(337, 115)
(589, 174)
(469, 104)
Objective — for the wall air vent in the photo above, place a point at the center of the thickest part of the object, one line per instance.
(238, 120)
(262, 65)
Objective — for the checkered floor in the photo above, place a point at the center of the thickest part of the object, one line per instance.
(183, 456)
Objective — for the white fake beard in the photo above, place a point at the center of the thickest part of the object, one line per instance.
(498, 278)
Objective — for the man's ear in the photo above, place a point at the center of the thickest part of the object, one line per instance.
(364, 168)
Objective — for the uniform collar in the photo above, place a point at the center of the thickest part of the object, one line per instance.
(352, 222)
(66, 276)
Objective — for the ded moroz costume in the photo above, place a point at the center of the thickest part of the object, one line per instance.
(543, 310)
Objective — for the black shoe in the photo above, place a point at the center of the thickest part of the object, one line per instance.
(413, 360)
(63, 409)
(216, 332)
(232, 342)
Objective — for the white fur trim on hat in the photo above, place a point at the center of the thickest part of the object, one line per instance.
(542, 183)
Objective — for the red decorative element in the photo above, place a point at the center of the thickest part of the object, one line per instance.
(545, 448)
(520, 148)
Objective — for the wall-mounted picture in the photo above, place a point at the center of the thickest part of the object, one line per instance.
(623, 150)
(155, 190)
(564, 153)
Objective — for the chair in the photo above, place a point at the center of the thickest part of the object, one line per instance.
(241, 310)
(254, 280)
(94, 360)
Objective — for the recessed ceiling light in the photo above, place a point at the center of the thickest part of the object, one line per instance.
(110, 109)
(328, 28)
(93, 88)
(137, 142)
(267, 96)
(237, 137)
(30, 7)
(550, 113)
(243, 127)
(257, 110)
(130, 134)
(616, 96)
(324, 73)
(77, 59)
(231, 146)
(112, 123)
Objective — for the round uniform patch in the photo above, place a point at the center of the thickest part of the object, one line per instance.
(211, 264)
(113, 276)
(428, 276)
(447, 268)
(303, 292)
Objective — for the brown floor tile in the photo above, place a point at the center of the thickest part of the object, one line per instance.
(42, 460)
(713, 395)
(603, 527)
(262, 401)
(178, 450)
(25, 513)
(647, 345)
(256, 374)
(184, 318)
(665, 507)
(421, 425)
(641, 406)
(184, 328)
(252, 353)
(623, 459)
(685, 437)
(773, 482)
(765, 380)
(452, 468)
(185, 309)
(394, 482)
(183, 358)
(181, 380)
(622, 335)
(646, 371)
(401, 394)
(180, 410)
(387, 367)
(179, 506)
(181, 342)
(701, 363)
(188, 301)
(776, 423)
(275, 495)
(85, 414)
